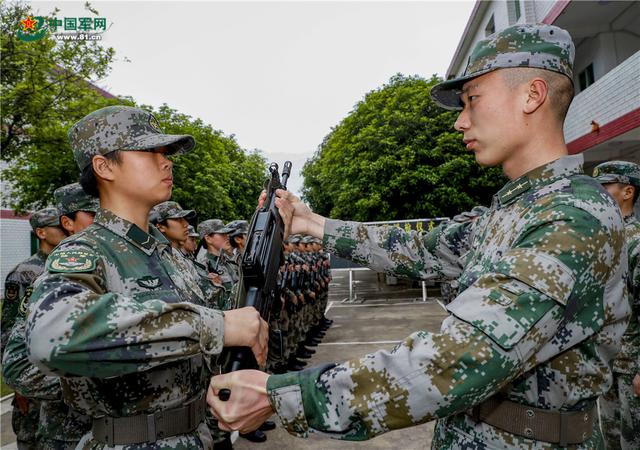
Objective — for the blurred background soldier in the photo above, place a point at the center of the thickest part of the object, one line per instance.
(189, 245)
(17, 289)
(59, 427)
(620, 407)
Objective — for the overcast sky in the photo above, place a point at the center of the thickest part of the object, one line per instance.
(277, 75)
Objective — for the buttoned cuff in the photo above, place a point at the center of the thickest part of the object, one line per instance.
(296, 395)
(211, 331)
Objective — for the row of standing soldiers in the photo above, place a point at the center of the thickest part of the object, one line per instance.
(41, 420)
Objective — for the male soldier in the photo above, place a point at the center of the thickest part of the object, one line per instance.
(237, 237)
(17, 288)
(117, 314)
(526, 350)
(620, 407)
(59, 427)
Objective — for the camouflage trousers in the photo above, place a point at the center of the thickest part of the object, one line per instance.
(24, 420)
(620, 414)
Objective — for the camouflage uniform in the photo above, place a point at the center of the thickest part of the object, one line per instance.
(459, 234)
(59, 426)
(540, 314)
(120, 317)
(18, 284)
(219, 263)
(620, 407)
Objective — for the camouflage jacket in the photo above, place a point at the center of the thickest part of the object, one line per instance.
(220, 263)
(628, 360)
(56, 420)
(17, 286)
(120, 318)
(540, 314)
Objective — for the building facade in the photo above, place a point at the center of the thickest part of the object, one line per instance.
(603, 122)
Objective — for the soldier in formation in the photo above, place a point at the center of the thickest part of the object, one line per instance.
(620, 407)
(299, 321)
(542, 303)
(59, 427)
(45, 224)
(118, 314)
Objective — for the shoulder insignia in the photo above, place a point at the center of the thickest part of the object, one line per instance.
(72, 261)
(149, 282)
(11, 290)
(25, 301)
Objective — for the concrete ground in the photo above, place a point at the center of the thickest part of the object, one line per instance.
(379, 317)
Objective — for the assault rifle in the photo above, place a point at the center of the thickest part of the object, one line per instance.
(261, 263)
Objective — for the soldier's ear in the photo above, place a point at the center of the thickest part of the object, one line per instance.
(537, 94)
(67, 224)
(627, 192)
(41, 233)
(102, 168)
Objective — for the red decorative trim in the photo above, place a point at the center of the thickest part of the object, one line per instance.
(616, 127)
(555, 11)
(10, 214)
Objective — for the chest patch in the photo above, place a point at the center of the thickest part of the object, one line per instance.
(11, 291)
(72, 261)
(149, 282)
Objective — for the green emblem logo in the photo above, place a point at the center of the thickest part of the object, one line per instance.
(32, 30)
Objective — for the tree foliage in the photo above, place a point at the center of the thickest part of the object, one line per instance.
(396, 156)
(46, 89)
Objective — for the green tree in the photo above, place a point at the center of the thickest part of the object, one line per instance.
(46, 87)
(218, 179)
(45, 91)
(396, 156)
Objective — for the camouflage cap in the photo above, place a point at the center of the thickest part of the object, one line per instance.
(121, 128)
(72, 198)
(618, 172)
(476, 211)
(538, 46)
(47, 217)
(238, 227)
(210, 226)
(192, 231)
(170, 210)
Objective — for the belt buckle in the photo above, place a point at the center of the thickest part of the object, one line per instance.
(153, 421)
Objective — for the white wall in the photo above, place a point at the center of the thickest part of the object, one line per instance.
(608, 98)
(15, 238)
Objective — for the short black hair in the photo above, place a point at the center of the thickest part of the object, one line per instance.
(88, 179)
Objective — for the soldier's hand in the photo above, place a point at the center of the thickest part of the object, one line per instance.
(636, 385)
(215, 279)
(244, 327)
(297, 216)
(248, 406)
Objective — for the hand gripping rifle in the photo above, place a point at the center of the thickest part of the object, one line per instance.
(261, 263)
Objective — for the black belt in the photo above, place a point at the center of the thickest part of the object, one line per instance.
(149, 427)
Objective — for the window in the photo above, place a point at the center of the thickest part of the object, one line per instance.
(490, 28)
(513, 8)
(586, 78)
